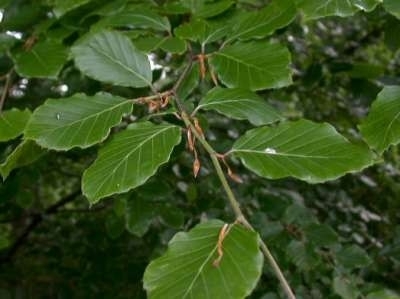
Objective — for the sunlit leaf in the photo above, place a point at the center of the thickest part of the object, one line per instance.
(305, 150)
(186, 270)
(111, 57)
(78, 121)
(129, 159)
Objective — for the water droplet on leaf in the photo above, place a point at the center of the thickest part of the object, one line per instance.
(58, 116)
(269, 150)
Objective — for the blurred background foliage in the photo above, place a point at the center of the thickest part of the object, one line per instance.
(335, 240)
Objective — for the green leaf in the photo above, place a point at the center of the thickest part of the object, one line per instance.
(186, 270)
(202, 9)
(278, 14)
(44, 60)
(111, 57)
(381, 128)
(6, 42)
(353, 257)
(78, 121)
(239, 104)
(253, 65)
(321, 235)
(12, 123)
(201, 31)
(383, 294)
(173, 45)
(114, 225)
(129, 159)
(305, 150)
(190, 82)
(137, 18)
(139, 215)
(301, 255)
(393, 7)
(25, 153)
(61, 7)
(345, 287)
(314, 9)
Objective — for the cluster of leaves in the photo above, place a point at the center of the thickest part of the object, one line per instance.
(96, 97)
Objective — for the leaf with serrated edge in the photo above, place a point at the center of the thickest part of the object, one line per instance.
(254, 65)
(239, 104)
(25, 153)
(77, 121)
(12, 123)
(305, 150)
(277, 14)
(186, 270)
(129, 159)
(381, 128)
(110, 56)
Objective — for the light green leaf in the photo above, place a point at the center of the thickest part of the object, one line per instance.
(137, 18)
(111, 57)
(239, 104)
(12, 123)
(253, 65)
(278, 14)
(139, 215)
(186, 270)
(352, 257)
(314, 9)
(129, 159)
(383, 294)
(61, 7)
(25, 153)
(305, 150)
(381, 128)
(393, 7)
(77, 121)
(44, 60)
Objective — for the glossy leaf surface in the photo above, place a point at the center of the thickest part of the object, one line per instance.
(186, 270)
(78, 121)
(305, 150)
(129, 159)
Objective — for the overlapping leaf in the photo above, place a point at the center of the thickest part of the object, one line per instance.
(111, 57)
(305, 150)
(25, 153)
(203, 9)
(186, 270)
(253, 65)
(137, 18)
(393, 7)
(12, 123)
(129, 159)
(44, 60)
(382, 126)
(61, 7)
(168, 44)
(78, 121)
(277, 14)
(314, 9)
(239, 104)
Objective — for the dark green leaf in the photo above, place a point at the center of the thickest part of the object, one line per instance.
(61, 7)
(44, 60)
(382, 126)
(393, 7)
(203, 9)
(25, 153)
(345, 287)
(353, 256)
(190, 82)
(305, 150)
(139, 215)
(78, 121)
(114, 225)
(321, 235)
(201, 31)
(301, 255)
(253, 65)
(186, 270)
(12, 123)
(111, 57)
(239, 104)
(129, 159)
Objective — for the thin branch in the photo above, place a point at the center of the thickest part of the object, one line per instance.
(5, 89)
(35, 221)
(236, 206)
